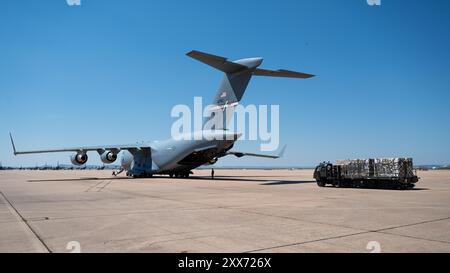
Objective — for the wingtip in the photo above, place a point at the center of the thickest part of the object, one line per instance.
(190, 53)
(282, 151)
(12, 143)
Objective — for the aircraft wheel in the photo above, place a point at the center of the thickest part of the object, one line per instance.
(171, 175)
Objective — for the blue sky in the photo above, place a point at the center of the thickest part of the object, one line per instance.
(110, 71)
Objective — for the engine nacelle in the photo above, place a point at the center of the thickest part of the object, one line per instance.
(108, 157)
(79, 159)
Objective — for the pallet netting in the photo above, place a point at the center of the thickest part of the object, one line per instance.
(377, 168)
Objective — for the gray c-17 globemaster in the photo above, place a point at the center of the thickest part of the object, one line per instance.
(178, 157)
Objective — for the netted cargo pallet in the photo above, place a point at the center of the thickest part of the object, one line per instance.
(377, 168)
(394, 167)
(355, 168)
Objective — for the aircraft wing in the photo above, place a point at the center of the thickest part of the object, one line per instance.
(242, 154)
(117, 148)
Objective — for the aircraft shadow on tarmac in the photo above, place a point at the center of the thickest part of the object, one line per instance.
(274, 183)
(266, 182)
(79, 179)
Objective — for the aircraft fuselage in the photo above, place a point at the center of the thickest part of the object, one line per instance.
(178, 156)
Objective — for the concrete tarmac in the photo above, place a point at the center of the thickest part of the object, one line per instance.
(239, 211)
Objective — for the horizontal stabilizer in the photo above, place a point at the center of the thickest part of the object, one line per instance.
(237, 75)
(281, 73)
(217, 62)
(241, 154)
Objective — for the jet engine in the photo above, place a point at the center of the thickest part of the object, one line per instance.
(108, 157)
(79, 159)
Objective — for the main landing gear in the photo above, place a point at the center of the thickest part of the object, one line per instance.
(183, 174)
(172, 175)
(141, 175)
(180, 175)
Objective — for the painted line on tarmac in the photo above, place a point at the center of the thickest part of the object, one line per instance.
(38, 242)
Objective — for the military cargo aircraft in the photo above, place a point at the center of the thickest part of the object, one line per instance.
(177, 158)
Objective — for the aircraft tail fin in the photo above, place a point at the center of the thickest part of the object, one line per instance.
(237, 75)
(234, 82)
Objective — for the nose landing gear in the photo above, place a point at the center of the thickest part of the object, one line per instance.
(114, 173)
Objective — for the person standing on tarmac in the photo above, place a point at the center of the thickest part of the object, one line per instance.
(212, 173)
